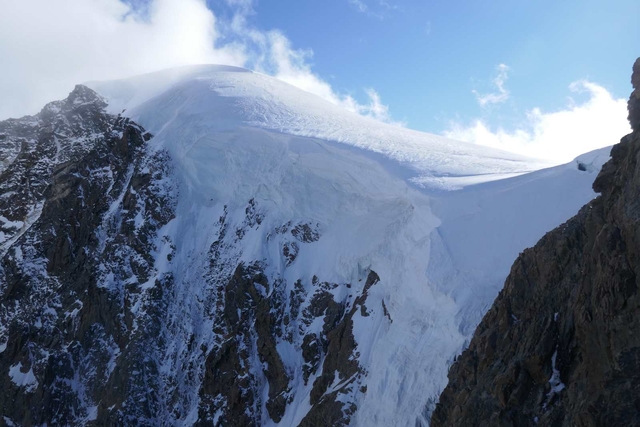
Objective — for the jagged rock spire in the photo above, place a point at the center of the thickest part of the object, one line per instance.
(634, 100)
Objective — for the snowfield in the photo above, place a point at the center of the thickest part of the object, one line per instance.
(222, 98)
(440, 221)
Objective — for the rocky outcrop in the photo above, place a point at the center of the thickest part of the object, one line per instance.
(255, 317)
(561, 344)
(634, 100)
(251, 319)
(81, 203)
(94, 329)
(341, 363)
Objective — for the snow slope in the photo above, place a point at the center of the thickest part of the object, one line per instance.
(440, 221)
(231, 97)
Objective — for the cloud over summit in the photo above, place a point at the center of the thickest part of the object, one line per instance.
(47, 47)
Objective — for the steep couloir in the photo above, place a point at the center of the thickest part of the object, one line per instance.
(561, 344)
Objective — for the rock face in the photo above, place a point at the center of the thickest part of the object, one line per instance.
(92, 327)
(561, 344)
(81, 202)
(634, 100)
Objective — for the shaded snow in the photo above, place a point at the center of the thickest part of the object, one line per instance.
(23, 379)
(556, 384)
(21, 226)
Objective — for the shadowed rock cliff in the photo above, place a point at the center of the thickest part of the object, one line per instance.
(92, 330)
(561, 344)
(634, 100)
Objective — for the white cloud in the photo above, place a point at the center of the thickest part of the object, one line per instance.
(292, 66)
(558, 136)
(376, 109)
(502, 94)
(359, 5)
(388, 5)
(376, 9)
(47, 47)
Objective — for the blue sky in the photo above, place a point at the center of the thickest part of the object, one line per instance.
(424, 58)
(546, 78)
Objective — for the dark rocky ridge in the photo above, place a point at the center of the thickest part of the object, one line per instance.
(634, 100)
(62, 326)
(561, 344)
(89, 324)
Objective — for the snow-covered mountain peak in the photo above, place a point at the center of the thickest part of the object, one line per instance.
(258, 257)
(221, 98)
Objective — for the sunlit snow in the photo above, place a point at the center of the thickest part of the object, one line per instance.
(440, 221)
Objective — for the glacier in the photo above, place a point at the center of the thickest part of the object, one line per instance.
(440, 221)
(405, 236)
